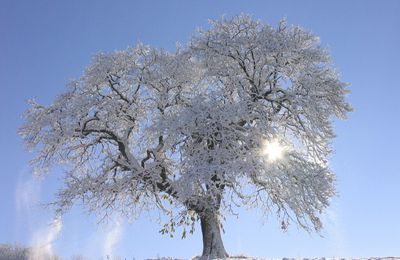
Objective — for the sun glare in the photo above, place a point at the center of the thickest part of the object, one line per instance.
(273, 150)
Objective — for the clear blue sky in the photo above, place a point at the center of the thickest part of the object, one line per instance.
(44, 43)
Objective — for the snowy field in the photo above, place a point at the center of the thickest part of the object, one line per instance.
(19, 252)
(322, 258)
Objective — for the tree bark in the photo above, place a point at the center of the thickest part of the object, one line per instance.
(213, 246)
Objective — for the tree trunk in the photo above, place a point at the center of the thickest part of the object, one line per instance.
(213, 246)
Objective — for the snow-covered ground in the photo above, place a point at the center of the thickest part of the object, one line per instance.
(19, 252)
(321, 258)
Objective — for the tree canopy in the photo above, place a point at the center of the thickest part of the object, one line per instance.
(186, 131)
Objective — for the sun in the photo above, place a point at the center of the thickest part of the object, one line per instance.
(273, 150)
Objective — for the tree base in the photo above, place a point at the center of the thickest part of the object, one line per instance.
(213, 246)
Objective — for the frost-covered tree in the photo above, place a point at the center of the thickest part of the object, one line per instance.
(241, 116)
(19, 252)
